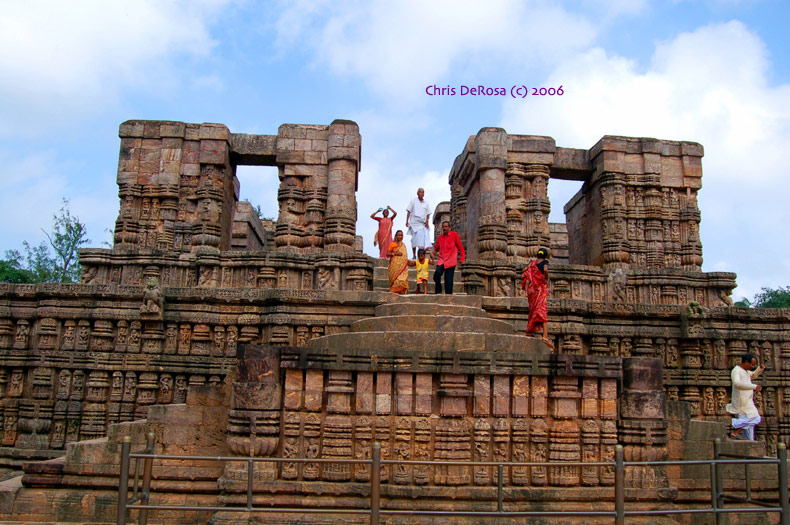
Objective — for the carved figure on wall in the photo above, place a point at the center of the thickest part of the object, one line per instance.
(89, 274)
(719, 354)
(171, 338)
(184, 338)
(83, 334)
(22, 332)
(232, 339)
(671, 356)
(165, 394)
(326, 278)
(134, 336)
(77, 385)
(180, 394)
(64, 384)
(721, 401)
(208, 277)
(17, 383)
(708, 402)
(617, 285)
(153, 301)
(116, 390)
(219, 340)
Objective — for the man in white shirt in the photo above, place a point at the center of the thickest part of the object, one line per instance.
(745, 414)
(417, 214)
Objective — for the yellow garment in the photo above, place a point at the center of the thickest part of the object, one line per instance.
(398, 268)
(422, 270)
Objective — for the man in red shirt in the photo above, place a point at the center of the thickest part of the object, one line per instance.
(447, 247)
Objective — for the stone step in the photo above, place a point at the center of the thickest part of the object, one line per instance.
(383, 286)
(381, 279)
(418, 308)
(474, 301)
(433, 323)
(384, 341)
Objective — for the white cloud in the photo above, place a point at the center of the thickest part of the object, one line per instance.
(399, 48)
(709, 86)
(31, 192)
(60, 59)
(387, 180)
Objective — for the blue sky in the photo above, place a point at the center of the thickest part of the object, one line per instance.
(714, 72)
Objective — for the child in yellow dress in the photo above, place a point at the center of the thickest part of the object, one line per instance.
(422, 271)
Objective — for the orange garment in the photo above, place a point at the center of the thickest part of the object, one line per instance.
(398, 268)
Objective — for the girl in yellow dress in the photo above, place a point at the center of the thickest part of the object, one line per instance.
(422, 271)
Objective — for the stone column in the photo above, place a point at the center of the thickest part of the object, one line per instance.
(643, 427)
(613, 239)
(255, 409)
(343, 157)
(537, 207)
(491, 162)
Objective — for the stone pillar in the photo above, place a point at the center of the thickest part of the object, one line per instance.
(176, 186)
(538, 207)
(643, 427)
(343, 158)
(255, 408)
(440, 214)
(490, 163)
(614, 245)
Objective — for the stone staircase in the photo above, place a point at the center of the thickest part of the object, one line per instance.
(381, 278)
(435, 323)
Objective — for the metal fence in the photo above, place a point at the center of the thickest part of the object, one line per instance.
(141, 489)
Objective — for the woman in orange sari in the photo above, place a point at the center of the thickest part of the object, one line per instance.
(536, 282)
(399, 265)
(383, 236)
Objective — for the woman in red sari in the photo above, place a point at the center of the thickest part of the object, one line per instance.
(536, 282)
(383, 236)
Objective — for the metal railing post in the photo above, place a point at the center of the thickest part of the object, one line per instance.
(375, 483)
(148, 465)
(717, 485)
(123, 481)
(619, 486)
(500, 480)
(714, 490)
(784, 497)
(249, 484)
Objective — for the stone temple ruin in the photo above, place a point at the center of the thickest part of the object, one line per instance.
(227, 335)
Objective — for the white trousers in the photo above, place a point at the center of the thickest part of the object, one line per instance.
(747, 424)
(420, 238)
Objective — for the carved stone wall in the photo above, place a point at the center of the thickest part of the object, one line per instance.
(179, 191)
(638, 208)
(331, 366)
(634, 224)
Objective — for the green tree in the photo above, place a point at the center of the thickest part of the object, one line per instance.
(772, 298)
(68, 235)
(10, 272)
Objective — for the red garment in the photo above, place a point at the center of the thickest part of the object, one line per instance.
(449, 245)
(537, 287)
(383, 235)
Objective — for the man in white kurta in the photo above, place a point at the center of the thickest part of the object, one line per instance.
(417, 214)
(745, 414)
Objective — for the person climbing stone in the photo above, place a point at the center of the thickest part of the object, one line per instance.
(742, 408)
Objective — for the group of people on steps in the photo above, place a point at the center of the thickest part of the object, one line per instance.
(449, 251)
